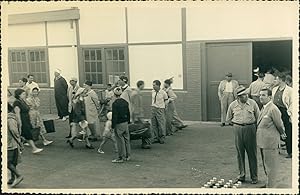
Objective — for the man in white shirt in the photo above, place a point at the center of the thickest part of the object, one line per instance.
(226, 95)
(255, 87)
(158, 119)
(31, 84)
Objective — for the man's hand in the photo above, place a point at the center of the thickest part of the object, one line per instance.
(283, 136)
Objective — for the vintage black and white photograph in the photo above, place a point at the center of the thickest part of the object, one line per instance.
(150, 97)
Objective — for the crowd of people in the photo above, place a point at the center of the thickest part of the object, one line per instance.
(122, 106)
(261, 117)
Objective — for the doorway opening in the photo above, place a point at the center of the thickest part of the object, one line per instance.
(272, 54)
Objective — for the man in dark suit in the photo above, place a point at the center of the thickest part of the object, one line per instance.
(270, 128)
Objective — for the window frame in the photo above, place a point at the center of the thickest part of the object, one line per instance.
(27, 50)
(103, 49)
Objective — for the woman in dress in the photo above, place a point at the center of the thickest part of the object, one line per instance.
(22, 111)
(92, 106)
(35, 117)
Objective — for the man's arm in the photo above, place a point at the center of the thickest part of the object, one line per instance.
(256, 110)
(172, 95)
(114, 115)
(229, 115)
(166, 98)
(276, 117)
(219, 91)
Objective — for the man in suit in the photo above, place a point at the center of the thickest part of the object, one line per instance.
(226, 95)
(282, 98)
(269, 129)
(243, 114)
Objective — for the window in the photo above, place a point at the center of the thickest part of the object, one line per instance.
(104, 65)
(24, 62)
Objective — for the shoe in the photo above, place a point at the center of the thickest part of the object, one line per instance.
(264, 186)
(282, 145)
(89, 147)
(17, 181)
(10, 181)
(26, 144)
(182, 127)
(70, 143)
(254, 181)
(117, 160)
(156, 141)
(37, 151)
(289, 156)
(146, 146)
(46, 143)
(57, 118)
(223, 124)
(162, 142)
(241, 179)
(127, 158)
(82, 133)
(64, 118)
(69, 136)
(100, 151)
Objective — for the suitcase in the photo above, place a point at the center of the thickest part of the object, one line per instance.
(139, 130)
(49, 126)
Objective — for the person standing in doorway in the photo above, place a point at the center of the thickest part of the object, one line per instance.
(226, 95)
(72, 89)
(172, 117)
(158, 118)
(30, 83)
(127, 92)
(243, 114)
(269, 129)
(282, 98)
(120, 120)
(61, 95)
(92, 106)
(255, 87)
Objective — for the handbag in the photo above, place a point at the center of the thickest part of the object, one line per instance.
(35, 133)
(49, 126)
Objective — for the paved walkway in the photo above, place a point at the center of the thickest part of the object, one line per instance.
(188, 160)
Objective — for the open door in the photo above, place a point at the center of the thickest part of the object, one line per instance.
(222, 58)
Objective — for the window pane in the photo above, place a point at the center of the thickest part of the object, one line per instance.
(31, 54)
(121, 54)
(122, 66)
(86, 55)
(99, 55)
(87, 77)
(43, 78)
(32, 67)
(13, 57)
(87, 67)
(24, 67)
(37, 56)
(93, 67)
(18, 67)
(94, 78)
(115, 54)
(18, 56)
(38, 67)
(93, 55)
(99, 66)
(100, 79)
(42, 55)
(115, 67)
(23, 56)
(37, 77)
(43, 66)
(108, 55)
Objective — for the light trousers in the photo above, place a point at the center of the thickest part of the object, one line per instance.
(270, 160)
(226, 100)
(158, 121)
(123, 140)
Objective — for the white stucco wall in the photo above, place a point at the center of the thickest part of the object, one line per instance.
(26, 35)
(151, 62)
(154, 24)
(100, 25)
(66, 60)
(61, 33)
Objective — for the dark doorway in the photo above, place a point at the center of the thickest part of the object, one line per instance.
(276, 54)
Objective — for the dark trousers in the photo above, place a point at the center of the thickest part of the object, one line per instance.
(288, 129)
(245, 140)
(62, 105)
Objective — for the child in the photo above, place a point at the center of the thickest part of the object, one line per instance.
(14, 147)
(108, 134)
(77, 116)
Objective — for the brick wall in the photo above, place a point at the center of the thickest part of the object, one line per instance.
(188, 103)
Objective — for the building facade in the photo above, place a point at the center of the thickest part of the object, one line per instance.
(195, 45)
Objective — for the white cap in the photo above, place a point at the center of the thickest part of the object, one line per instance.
(57, 70)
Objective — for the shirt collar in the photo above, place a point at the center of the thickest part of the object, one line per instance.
(267, 104)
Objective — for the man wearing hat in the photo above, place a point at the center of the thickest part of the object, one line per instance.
(127, 92)
(243, 114)
(61, 95)
(120, 120)
(73, 88)
(226, 95)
